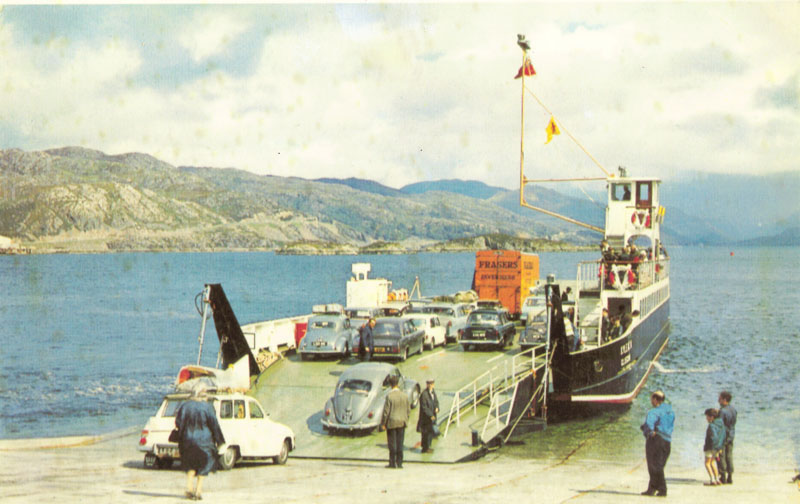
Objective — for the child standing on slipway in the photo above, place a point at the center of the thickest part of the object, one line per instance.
(715, 439)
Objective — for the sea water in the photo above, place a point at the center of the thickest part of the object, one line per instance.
(90, 343)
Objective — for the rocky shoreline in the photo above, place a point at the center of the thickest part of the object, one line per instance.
(99, 243)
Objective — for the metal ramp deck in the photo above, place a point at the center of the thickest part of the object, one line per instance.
(295, 392)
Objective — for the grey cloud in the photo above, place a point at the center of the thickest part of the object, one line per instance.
(784, 96)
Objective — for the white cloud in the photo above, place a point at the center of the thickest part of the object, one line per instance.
(426, 92)
(209, 33)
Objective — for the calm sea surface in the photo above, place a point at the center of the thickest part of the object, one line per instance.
(90, 343)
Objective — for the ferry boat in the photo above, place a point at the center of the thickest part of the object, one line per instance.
(595, 363)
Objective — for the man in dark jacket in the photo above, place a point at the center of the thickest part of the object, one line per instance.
(428, 409)
(728, 415)
(394, 420)
(366, 346)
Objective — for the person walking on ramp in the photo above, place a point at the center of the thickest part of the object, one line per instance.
(394, 420)
(199, 436)
(428, 409)
(657, 429)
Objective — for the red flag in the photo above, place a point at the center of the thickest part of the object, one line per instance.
(527, 67)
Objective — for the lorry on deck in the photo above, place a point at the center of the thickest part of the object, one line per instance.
(505, 275)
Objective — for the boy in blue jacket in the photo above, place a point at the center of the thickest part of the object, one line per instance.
(715, 440)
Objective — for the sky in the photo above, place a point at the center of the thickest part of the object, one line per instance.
(401, 93)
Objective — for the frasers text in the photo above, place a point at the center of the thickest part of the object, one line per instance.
(498, 264)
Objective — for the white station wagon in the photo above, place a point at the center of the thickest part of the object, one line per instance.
(434, 330)
(249, 433)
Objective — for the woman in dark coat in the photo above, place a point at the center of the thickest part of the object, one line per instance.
(199, 437)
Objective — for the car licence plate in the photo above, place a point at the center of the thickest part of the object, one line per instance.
(167, 451)
(478, 334)
(380, 349)
(319, 343)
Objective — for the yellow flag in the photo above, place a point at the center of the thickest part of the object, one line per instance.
(552, 129)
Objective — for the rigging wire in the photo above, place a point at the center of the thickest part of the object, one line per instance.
(565, 130)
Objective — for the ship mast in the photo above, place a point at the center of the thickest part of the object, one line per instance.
(525, 46)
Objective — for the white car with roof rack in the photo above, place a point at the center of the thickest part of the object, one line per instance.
(249, 432)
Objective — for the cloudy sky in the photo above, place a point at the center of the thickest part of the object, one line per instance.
(400, 93)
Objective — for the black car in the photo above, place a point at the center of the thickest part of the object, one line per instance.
(488, 327)
(396, 337)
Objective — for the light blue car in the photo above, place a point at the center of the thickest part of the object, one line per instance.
(328, 335)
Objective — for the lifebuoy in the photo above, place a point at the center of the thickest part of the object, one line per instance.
(638, 219)
(622, 277)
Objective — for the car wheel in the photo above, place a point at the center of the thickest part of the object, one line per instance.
(283, 456)
(150, 461)
(164, 463)
(415, 397)
(228, 459)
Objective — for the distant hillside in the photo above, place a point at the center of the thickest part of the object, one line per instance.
(788, 238)
(470, 188)
(76, 199)
(362, 185)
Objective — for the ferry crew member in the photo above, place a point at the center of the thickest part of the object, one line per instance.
(394, 420)
(728, 415)
(428, 409)
(657, 429)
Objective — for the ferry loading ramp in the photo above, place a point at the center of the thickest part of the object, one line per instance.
(481, 397)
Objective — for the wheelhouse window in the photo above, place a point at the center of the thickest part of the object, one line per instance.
(621, 191)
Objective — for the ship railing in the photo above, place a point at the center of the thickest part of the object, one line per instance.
(593, 275)
(497, 380)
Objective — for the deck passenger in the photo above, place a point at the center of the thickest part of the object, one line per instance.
(625, 319)
(573, 336)
(606, 326)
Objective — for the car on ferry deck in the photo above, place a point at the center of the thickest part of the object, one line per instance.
(488, 327)
(393, 308)
(328, 334)
(249, 432)
(532, 307)
(453, 317)
(396, 337)
(357, 403)
(434, 331)
(535, 332)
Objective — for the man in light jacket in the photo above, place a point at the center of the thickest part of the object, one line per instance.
(394, 420)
